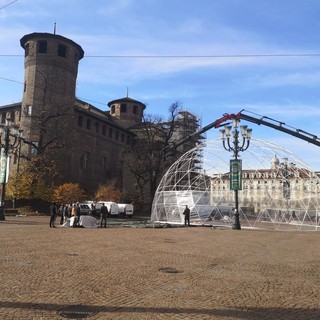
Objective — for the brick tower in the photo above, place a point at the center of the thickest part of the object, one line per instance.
(128, 112)
(51, 67)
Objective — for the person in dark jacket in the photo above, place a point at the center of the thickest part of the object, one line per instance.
(53, 214)
(103, 215)
(186, 214)
(77, 215)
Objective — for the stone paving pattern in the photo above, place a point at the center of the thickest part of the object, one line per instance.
(215, 273)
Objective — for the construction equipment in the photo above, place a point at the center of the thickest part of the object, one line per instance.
(260, 120)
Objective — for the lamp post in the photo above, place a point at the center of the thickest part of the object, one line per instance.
(231, 143)
(6, 145)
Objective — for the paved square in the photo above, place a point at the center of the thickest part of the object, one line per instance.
(161, 273)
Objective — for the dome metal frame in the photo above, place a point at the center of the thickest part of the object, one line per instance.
(199, 179)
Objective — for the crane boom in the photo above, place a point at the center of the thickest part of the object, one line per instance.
(281, 126)
(263, 120)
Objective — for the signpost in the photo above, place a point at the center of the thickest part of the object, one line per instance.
(235, 174)
(3, 168)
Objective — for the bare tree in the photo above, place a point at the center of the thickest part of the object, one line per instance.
(153, 150)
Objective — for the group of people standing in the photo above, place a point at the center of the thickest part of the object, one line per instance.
(73, 210)
(65, 212)
(70, 210)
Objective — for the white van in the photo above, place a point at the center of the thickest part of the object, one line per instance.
(125, 209)
(113, 208)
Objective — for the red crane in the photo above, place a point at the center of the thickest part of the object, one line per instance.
(257, 119)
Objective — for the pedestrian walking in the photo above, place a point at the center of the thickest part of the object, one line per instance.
(53, 213)
(186, 214)
(103, 215)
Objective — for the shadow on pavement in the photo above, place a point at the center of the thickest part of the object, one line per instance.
(236, 313)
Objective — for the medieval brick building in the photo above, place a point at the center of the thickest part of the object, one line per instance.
(87, 143)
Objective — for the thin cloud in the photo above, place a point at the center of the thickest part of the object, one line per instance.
(149, 66)
(289, 111)
(307, 78)
(114, 7)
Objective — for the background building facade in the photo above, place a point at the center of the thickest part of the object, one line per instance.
(284, 186)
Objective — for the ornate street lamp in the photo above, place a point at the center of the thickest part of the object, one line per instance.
(231, 143)
(8, 141)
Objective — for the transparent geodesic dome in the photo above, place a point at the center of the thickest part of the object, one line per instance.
(279, 190)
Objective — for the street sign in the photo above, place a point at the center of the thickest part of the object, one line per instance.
(235, 174)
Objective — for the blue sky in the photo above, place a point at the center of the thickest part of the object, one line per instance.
(225, 56)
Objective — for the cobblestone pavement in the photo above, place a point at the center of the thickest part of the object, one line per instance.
(162, 273)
